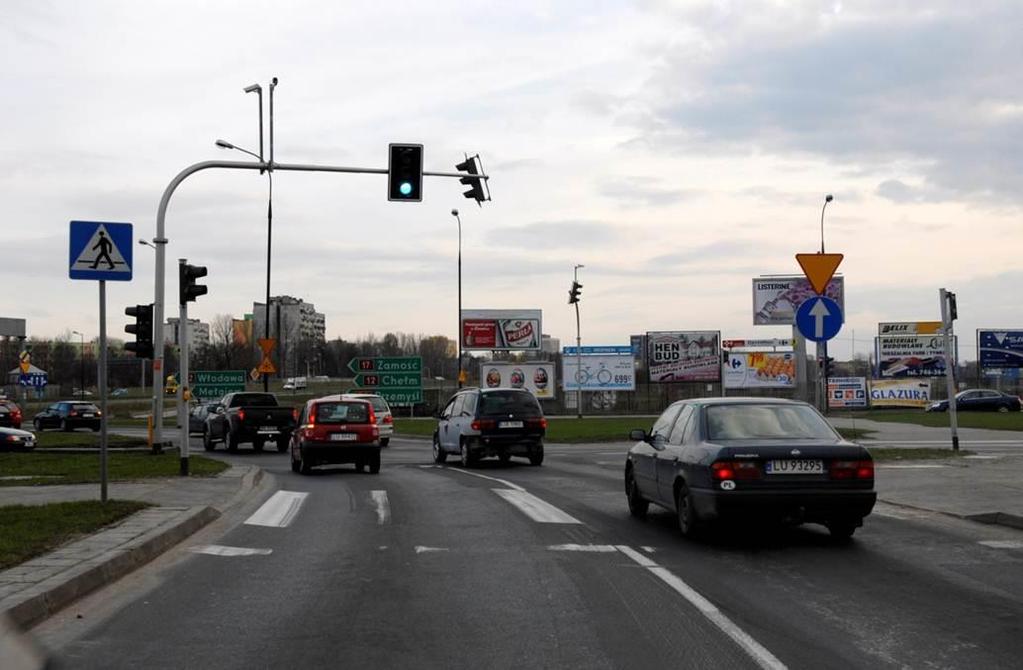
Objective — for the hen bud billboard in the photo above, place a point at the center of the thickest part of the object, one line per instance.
(501, 329)
(684, 356)
(776, 299)
(1000, 348)
(760, 369)
(538, 378)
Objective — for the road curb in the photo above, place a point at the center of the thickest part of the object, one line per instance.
(987, 518)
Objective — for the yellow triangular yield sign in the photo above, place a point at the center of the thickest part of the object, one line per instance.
(819, 268)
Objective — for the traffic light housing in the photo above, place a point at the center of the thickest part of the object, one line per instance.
(142, 329)
(573, 293)
(405, 172)
(475, 184)
(188, 290)
(953, 314)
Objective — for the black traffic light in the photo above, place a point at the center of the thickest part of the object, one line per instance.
(188, 290)
(142, 329)
(405, 172)
(573, 293)
(953, 314)
(475, 184)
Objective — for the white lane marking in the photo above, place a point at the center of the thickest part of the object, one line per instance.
(383, 507)
(493, 479)
(978, 457)
(423, 550)
(534, 508)
(760, 655)
(279, 511)
(911, 466)
(596, 548)
(1002, 544)
(221, 550)
(648, 550)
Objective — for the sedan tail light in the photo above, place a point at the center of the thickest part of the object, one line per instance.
(537, 423)
(72, 413)
(483, 424)
(722, 470)
(241, 415)
(852, 469)
(388, 418)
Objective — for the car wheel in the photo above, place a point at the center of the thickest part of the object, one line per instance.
(468, 459)
(258, 444)
(304, 466)
(1003, 409)
(294, 464)
(374, 463)
(637, 505)
(688, 520)
(504, 457)
(96, 429)
(64, 427)
(384, 441)
(439, 455)
(842, 529)
(282, 446)
(37, 424)
(207, 440)
(536, 455)
(360, 466)
(232, 442)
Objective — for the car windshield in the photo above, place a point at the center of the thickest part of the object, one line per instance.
(342, 412)
(766, 422)
(498, 402)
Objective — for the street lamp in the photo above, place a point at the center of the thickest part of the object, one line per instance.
(822, 348)
(454, 213)
(81, 356)
(828, 198)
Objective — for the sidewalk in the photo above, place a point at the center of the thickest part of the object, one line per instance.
(34, 590)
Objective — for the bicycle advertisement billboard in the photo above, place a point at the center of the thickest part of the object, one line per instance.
(598, 372)
(537, 378)
(684, 356)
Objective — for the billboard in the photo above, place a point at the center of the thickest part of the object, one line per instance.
(909, 328)
(538, 378)
(760, 369)
(900, 393)
(501, 329)
(776, 299)
(847, 392)
(684, 356)
(241, 332)
(612, 369)
(911, 355)
(1002, 348)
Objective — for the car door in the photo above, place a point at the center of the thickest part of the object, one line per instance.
(444, 423)
(645, 456)
(49, 419)
(668, 459)
(467, 414)
(968, 401)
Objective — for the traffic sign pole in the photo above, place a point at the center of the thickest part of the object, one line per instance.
(183, 386)
(101, 375)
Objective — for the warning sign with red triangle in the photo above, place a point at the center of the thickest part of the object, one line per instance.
(819, 269)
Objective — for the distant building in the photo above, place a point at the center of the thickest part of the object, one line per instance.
(198, 333)
(295, 324)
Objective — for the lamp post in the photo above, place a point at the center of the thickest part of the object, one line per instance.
(81, 357)
(458, 333)
(823, 346)
(578, 351)
(828, 198)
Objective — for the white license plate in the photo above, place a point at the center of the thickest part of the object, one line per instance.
(344, 437)
(87, 416)
(795, 467)
(267, 429)
(510, 424)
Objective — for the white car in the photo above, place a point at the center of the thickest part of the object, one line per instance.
(294, 383)
(383, 412)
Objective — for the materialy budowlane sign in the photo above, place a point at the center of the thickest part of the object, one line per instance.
(402, 380)
(386, 364)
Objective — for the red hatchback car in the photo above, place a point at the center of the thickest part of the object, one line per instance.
(336, 429)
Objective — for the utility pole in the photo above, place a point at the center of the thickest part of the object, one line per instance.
(948, 315)
(574, 298)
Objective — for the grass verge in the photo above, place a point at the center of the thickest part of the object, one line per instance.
(989, 420)
(31, 530)
(854, 433)
(39, 469)
(915, 454)
(79, 439)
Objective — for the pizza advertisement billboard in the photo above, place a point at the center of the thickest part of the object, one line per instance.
(900, 393)
(684, 356)
(501, 329)
(776, 299)
(1000, 348)
(759, 369)
(911, 355)
(537, 378)
(847, 392)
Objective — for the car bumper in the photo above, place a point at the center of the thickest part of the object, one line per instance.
(515, 445)
(331, 452)
(807, 505)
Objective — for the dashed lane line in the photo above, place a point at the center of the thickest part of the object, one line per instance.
(221, 550)
(382, 506)
(279, 511)
(536, 509)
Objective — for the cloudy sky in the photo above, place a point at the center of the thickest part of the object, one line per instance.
(676, 149)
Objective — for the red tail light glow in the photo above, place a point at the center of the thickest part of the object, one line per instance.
(537, 423)
(388, 418)
(483, 424)
(241, 415)
(72, 413)
(852, 470)
(311, 420)
(722, 470)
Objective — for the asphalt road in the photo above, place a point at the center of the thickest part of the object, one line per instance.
(514, 566)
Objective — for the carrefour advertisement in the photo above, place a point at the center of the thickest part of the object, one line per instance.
(900, 393)
(776, 299)
(760, 369)
(847, 392)
(684, 356)
(911, 355)
(603, 372)
(501, 329)
(538, 378)
(1000, 348)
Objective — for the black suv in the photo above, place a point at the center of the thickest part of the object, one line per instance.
(68, 415)
(501, 422)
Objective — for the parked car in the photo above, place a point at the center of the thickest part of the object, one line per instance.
(333, 430)
(749, 458)
(81, 393)
(197, 416)
(502, 422)
(979, 400)
(12, 439)
(68, 415)
(385, 420)
(248, 417)
(118, 392)
(10, 414)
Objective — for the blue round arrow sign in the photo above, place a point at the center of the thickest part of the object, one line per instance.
(819, 318)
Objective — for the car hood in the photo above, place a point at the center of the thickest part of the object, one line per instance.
(17, 432)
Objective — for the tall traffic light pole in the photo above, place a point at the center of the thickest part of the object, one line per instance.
(573, 297)
(454, 213)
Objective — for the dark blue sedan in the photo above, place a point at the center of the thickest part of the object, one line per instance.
(979, 400)
(715, 459)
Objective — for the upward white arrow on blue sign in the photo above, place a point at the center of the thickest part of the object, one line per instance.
(819, 318)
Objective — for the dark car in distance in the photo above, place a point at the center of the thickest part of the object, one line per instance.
(477, 423)
(68, 415)
(334, 430)
(197, 416)
(747, 459)
(979, 400)
(10, 414)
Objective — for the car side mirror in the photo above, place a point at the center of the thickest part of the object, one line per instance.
(220, 409)
(637, 435)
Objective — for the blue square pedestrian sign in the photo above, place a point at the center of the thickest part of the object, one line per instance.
(100, 250)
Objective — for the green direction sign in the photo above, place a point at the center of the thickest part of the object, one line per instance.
(396, 397)
(395, 380)
(387, 364)
(216, 383)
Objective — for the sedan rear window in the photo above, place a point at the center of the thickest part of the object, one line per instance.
(342, 412)
(84, 407)
(498, 402)
(767, 422)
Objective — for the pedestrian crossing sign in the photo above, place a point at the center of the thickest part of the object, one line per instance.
(100, 251)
